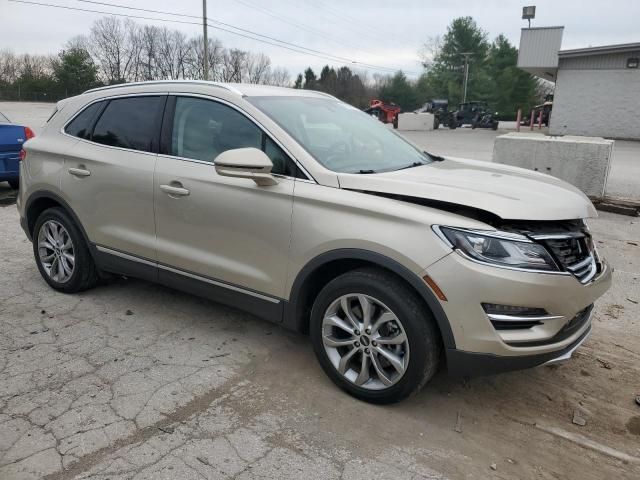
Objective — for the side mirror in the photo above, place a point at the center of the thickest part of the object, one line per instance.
(246, 163)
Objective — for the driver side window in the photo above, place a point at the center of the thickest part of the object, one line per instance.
(203, 129)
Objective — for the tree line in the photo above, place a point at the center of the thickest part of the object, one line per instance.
(118, 51)
(493, 75)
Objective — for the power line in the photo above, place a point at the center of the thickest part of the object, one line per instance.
(300, 25)
(353, 22)
(64, 7)
(337, 58)
(322, 54)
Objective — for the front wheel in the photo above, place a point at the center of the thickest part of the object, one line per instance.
(61, 253)
(374, 337)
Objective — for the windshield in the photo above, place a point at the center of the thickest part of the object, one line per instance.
(339, 136)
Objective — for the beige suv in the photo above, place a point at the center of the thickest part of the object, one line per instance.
(299, 208)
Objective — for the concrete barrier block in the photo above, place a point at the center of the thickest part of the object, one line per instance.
(581, 161)
(415, 121)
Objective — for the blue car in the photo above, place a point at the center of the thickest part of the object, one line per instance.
(11, 139)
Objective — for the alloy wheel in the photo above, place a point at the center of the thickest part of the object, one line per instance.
(365, 341)
(55, 251)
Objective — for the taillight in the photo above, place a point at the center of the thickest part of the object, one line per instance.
(28, 133)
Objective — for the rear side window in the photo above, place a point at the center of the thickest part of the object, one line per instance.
(129, 123)
(81, 125)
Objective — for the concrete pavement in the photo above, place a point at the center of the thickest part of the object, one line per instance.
(132, 380)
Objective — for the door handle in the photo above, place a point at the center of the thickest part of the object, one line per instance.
(175, 190)
(79, 172)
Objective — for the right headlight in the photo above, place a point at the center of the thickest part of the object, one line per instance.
(500, 249)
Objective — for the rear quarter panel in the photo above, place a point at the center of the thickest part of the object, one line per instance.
(42, 169)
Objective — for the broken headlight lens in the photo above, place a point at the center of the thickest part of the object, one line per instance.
(502, 249)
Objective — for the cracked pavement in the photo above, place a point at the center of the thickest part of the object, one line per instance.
(132, 380)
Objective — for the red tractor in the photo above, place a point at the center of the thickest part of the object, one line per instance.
(385, 112)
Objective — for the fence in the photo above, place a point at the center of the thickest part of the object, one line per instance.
(16, 94)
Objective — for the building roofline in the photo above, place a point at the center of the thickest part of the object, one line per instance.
(543, 28)
(601, 50)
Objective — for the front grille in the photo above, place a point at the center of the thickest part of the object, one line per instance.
(575, 253)
(568, 242)
(569, 250)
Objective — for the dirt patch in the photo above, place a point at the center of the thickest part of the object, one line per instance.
(633, 425)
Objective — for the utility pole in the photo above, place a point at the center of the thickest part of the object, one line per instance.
(206, 39)
(466, 56)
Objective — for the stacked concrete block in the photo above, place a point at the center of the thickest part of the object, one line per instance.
(415, 121)
(581, 161)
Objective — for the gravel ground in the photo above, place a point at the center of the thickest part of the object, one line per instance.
(135, 381)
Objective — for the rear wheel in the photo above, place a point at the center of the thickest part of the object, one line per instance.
(373, 336)
(61, 253)
(15, 184)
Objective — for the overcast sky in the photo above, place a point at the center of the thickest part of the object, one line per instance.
(384, 33)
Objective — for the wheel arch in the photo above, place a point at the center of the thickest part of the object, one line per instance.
(40, 201)
(323, 268)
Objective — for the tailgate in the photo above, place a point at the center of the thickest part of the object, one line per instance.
(11, 137)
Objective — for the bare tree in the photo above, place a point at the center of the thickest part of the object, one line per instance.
(279, 77)
(430, 50)
(257, 68)
(9, 67)
(110, 44)
(234, 64)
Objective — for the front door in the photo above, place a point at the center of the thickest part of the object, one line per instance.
(228, 231)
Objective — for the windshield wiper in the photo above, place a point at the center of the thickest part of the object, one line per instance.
(435, 158)
(366, 171)
(414, 164)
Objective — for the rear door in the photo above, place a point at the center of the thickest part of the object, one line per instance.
(108, 174)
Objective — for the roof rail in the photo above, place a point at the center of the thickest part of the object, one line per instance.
(161, 82)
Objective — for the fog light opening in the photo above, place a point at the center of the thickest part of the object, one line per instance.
(511, 310)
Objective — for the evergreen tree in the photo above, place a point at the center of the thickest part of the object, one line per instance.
(310, 79)
(75, 71)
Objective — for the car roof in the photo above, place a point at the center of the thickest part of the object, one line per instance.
(240, 89)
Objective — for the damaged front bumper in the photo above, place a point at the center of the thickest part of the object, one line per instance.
(472, 364)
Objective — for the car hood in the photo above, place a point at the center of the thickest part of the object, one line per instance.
(511, 193)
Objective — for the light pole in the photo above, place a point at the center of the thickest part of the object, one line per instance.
(466, 56)
(206, 40)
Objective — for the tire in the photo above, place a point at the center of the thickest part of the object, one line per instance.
(15, 184)
(83, 273)
(453, 124)
(419, 352)
(494, 126)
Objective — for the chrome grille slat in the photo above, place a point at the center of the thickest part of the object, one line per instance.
(574, 252)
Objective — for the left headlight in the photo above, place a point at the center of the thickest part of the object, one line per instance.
(500, 249)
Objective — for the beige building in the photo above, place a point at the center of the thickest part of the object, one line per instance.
(597, 89)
